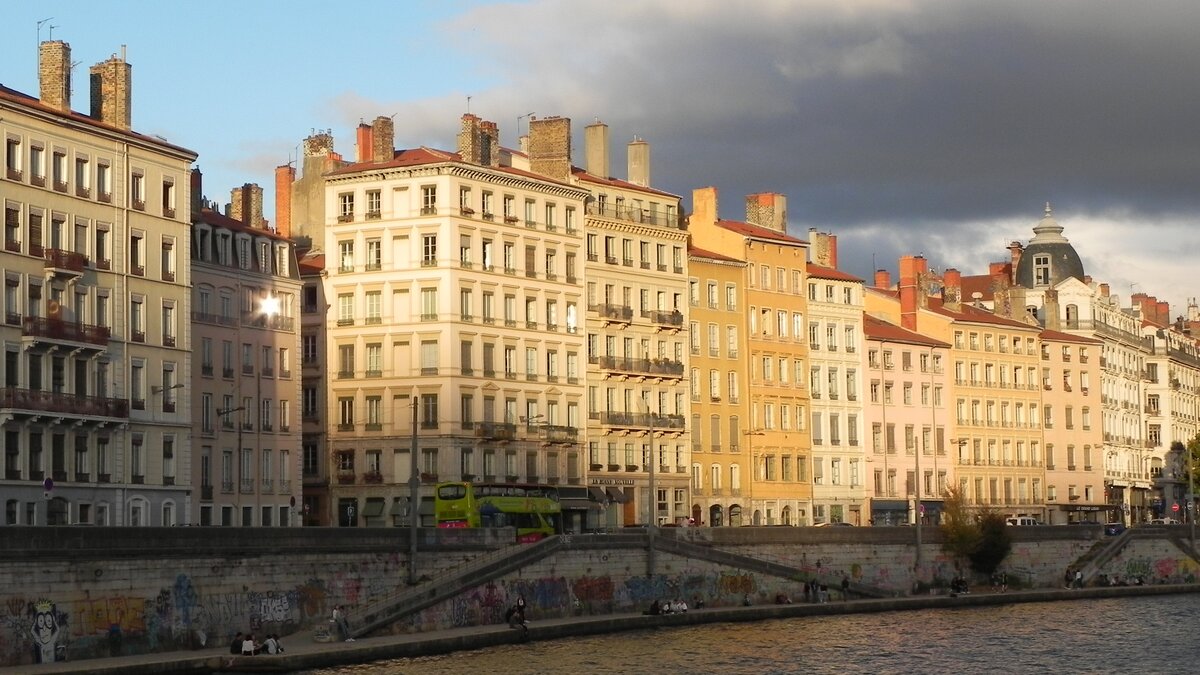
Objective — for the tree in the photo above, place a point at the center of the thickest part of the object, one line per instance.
(977, 537)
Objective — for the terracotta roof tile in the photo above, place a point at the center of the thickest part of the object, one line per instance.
(698, 252)
(219, 220)
(875, 328)
(1059, 336)
(746, 229)
(822, 272)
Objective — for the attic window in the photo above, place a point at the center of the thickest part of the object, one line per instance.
(1041, 270)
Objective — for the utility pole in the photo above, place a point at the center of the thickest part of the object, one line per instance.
(653, 525)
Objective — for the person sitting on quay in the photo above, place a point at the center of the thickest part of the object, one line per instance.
(235, 647)
(271, 644)
(249, 646)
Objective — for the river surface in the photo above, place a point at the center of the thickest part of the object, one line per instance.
(1146, 635)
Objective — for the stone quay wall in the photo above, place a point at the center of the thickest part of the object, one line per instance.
(77, 593)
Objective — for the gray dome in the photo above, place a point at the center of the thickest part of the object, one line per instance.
(1049, 258)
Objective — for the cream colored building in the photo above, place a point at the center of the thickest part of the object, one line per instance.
(835, 335)
(246, 379)
(453, 290)
(719, 396)
(95, 411)
(777, 352)
(635, 276)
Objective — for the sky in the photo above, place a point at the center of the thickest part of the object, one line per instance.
(903, 126)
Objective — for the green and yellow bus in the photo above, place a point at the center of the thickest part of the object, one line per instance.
(533, 510)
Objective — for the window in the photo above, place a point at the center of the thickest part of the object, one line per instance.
(428, 250)
(428, 200)
(345, 207)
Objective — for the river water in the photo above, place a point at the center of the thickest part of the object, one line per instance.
(1158, 634)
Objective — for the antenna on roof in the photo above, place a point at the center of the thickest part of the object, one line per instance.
(39, 28)
(468, 105)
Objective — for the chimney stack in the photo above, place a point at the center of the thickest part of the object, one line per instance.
(197, 184)
(550, 147)
(639, 162)
(595, 149)
(284, 177)
(911, 268)
(112, 92)
(468, 139)
(883, 279)
(489, 140)
(383, 140)
(823, 247)
(54, 74)
(767, 209)
(246, 205)
(704, 206)
(1104, 290)
(364, 149)
(1015, 250)
(952, 289)
(1051, 309)
(1163, 313)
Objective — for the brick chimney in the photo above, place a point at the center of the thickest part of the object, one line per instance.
(246, 205)
(550, 147)
(823, 248)
(1163, 313)
(704, 206)
(468, 139)
(364, 148)
(197, 189)
(595, 149)
(911, 268)
(54, 74)
(489, 138)
(1015, 249)
(639, 162)
(952, 289)
(883, 279)
(767, 209)
(383, 140)
(284, 177)
(1104, 290)
(112, 92)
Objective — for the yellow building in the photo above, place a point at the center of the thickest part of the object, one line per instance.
(996, 388)
(1072, 431)
(717, 339)
(777, 439)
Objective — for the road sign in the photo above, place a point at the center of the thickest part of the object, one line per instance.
(1175, 508)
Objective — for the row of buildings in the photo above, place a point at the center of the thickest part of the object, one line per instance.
(501, 314)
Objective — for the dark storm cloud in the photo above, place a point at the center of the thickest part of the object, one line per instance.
(908, 126)
(903, 111)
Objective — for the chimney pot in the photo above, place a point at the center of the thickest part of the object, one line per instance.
(54, 74)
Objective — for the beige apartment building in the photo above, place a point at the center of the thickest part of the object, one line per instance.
(996, 391)
(453, 289)
(906, 412)
(1171, 406)
(717, 339)
(777, 351)
(95, 412)
(636, 279)
(1072, 434)
(835, 338)
(246, 378)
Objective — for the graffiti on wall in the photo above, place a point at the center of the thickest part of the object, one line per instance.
(47, 630)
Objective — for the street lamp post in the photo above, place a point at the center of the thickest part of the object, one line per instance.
(1191, 502)
(652, 526)
(414, 497)
(753, 468)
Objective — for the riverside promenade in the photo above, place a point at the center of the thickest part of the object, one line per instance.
(304, 654)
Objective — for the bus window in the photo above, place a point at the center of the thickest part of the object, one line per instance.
(453, 491)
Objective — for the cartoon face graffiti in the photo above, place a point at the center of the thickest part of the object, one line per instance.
(44, 632)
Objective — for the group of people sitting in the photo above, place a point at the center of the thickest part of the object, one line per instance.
(668, 607)
(246, 645)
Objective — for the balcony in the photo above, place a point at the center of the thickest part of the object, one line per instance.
(64, 264)
(615, 313)
(558, 434)
(659, 368)
(496, 431)
(29, 402)
(372, 478)
(665, 320)
(55, 332)
(640, 421)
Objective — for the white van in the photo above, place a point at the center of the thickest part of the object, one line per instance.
(1022, 520)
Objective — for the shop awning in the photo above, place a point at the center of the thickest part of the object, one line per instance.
(617, 495)
(373, 508)
(399, 508)
(597, 494)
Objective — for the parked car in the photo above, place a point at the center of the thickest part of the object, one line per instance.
(1164, 521)
(1113, 529)
(827, 524)
(1022, 520)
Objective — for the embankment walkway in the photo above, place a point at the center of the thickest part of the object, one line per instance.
(303, 654)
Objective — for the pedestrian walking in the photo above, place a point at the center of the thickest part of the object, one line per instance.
(845, 588)
(343, 626)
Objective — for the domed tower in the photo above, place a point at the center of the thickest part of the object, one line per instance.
(1049, 258)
